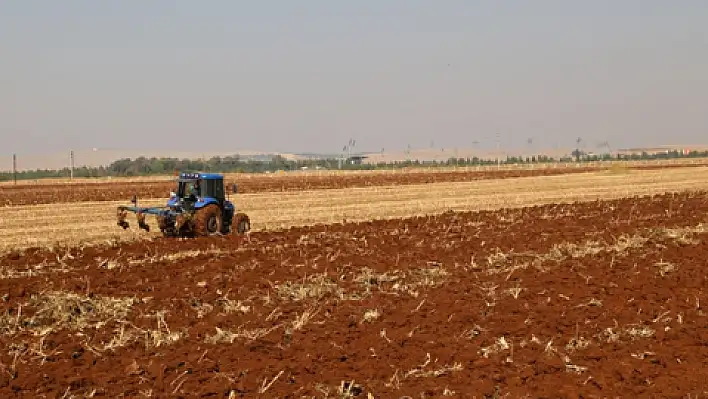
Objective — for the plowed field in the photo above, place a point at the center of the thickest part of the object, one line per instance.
(50, 193)
(599, 299)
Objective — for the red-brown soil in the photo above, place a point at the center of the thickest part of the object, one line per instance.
(472, 304)
(28, 194)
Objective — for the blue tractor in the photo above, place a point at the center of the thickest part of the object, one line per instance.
(199, 207)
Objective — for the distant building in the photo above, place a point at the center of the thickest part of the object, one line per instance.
(356, 159)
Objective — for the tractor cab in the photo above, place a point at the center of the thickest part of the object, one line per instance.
(199, 188)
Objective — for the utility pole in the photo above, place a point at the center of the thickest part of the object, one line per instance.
(351, 145)
(341, 158)
(498, 150)
(14, 168)
(71, 171)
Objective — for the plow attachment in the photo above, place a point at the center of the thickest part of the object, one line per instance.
(171, 222)
(140, 213)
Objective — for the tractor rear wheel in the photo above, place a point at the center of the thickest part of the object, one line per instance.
(241, 223)
(207, 221)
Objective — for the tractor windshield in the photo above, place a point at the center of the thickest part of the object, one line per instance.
(187, 188)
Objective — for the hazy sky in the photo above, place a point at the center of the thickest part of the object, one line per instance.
(309, 74)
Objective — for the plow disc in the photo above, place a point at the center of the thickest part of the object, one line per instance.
(139, 213)
(121, 219)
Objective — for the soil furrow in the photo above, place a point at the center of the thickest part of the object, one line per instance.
(599, 298)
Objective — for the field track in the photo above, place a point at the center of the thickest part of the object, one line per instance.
(599, 299)
(122, 189)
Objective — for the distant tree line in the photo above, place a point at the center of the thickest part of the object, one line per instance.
(143, 166)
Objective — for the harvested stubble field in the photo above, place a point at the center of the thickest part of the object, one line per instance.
(87, 223)
(110, 191)
(123, 189)
(599, 299)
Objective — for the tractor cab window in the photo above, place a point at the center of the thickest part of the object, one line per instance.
(188, 188)
(215, 188)
(181, 189)
(195, 188)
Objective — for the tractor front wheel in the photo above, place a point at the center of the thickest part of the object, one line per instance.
(241, 223)
(207, 221)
